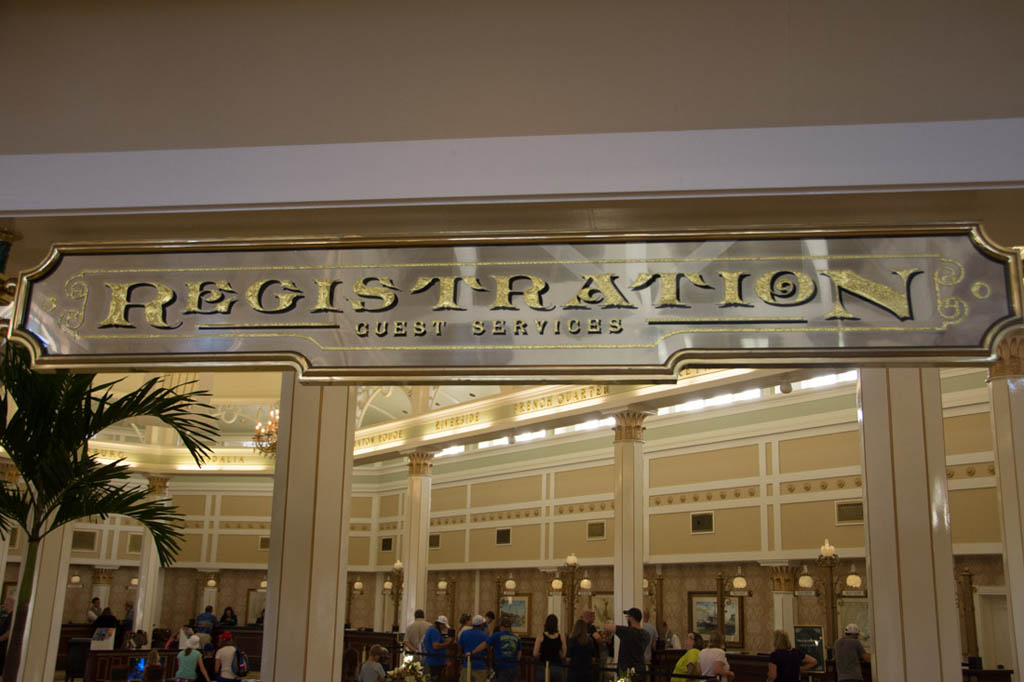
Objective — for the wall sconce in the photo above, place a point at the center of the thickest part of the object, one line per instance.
(556, 587)
(442, 588)
(263, 584)
(211, 583)
(133, 584)
(805, 584)
(510, 587)
(854, 584)
(739, 584)
(357, 587)
(75, 581)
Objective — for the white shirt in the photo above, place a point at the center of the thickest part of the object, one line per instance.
(707, 660)
(226, 654)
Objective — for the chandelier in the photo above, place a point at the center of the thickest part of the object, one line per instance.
(265, 437)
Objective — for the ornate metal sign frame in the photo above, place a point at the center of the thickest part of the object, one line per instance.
(580, 309)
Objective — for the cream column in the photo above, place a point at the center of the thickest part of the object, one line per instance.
(783, 578)
(102, 578)
(210, 584)
(910, 552)
(42, 629)
(417, 529)
(306, 596)
(629, 510)
(1006, 388)
(151, 577)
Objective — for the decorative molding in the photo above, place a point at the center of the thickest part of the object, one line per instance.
(585, 507)
(1010, 359)
(734, 493)
(629, 424)
(103, 576)
(783, 578)
(836, 483)
(507, 515)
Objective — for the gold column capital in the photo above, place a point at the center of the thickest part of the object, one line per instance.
(103, 576)
(157, 484)
(783, 578)
(420, 462)
(629, 424)
(1010, 360)
(8, 472)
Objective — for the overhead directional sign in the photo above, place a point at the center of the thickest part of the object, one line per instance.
(500, 309)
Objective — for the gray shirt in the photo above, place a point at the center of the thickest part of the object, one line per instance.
(848, 653)
(372, 671)
(652, 637)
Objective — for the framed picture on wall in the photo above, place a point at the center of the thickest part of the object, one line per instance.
(517, 609)
(855, 610)
(10, 590)
(704, 617)
(603, 605)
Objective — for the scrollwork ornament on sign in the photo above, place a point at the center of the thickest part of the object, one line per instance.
(71, 318)
(1010, 359)
(952, 309)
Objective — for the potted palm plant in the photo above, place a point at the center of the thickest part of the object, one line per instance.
(50, 419)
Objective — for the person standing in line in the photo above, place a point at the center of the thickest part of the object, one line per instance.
(225, 658)
(580, 650)
(491, 627)
(435, 646)
(414, 633)
(473, 642)
(463, 625)
(688, 662)
(849, 653)
(206, 621)
(712, 660)
(633, 641)
(549, 652)
(507, 650)
(787, 662)
(652, 633)
(190, 662)
(605, 638)
(372, 670)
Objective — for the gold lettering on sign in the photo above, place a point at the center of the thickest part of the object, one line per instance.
(668, 294)
(599, 288)
(199, 294)
(733, 295)
(155, 309)
(532, 297)
(380, 439)
(576, 395)
(325, 296)
(382, 291)
(456, 421)
(285, 301)
(785, 287)
(896, 302)
(448, 290)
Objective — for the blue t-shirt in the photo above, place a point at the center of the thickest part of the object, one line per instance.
(435, 657)
(471, 639)
(206, 622)
(506, 647)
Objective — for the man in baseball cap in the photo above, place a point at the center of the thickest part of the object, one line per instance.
(474, 641)
(849, 653)
(633, 641)
(435, 644)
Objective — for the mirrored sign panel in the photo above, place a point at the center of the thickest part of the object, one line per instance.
(603, 309)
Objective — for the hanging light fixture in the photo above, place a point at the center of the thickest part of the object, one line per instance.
(265, 437)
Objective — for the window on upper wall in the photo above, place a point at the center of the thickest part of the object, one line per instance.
(503, 536)
(702, 522)
(596, 530)
(84, 540)
(387, 544)
(264, 543)
(135, 543)
(849, 513)
(434, 541)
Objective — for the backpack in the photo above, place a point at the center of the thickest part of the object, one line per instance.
(240, 663)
